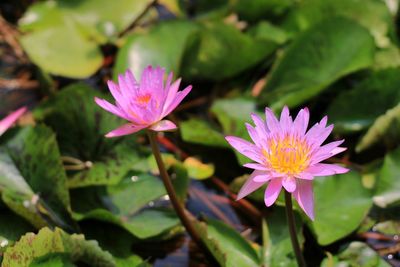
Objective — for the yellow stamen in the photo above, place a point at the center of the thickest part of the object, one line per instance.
(290, 155)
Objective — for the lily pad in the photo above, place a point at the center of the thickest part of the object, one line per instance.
(341, 204)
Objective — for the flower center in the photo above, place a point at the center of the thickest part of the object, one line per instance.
(143, 99)
(289, 155)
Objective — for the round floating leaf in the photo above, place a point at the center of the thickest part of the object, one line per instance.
(356, 109)
(326, 52)
(227, 245)
(33, 246)
(162, 45)
(341, 203)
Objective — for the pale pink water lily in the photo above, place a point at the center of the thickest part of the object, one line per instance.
(9, 120)
(287, 155)
(144, 104)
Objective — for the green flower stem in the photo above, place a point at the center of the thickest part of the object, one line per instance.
(292, 230)
(180, 210)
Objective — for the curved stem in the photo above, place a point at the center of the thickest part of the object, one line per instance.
(292, 230)
(180, 210)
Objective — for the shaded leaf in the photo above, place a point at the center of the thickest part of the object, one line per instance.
(209, 52)
(197, 169)
(80, 126)
(35, 153)
(386, 130)
(357, 109)
(318, 57)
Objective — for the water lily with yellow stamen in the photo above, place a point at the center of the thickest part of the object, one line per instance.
(144, 104)
(287, 155)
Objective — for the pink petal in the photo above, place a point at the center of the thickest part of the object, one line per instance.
(322, 169)
(272, 192)
(178, 99)
(116, 93)
(164, 125)
(9, 120)
(300, 124)
(261, 126)
(246, 148)
(171, 93)
(253, 134)
(289, 183)
(305, 197)
(338, 150)
(256, 166)
(249, 186)
(125, 129)
(272, 122)
(262, 177)
(285, 120)
(110, 108)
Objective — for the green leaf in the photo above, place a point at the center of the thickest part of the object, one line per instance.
(52, 260)
(63, 37)
(232, 115)
(162, 45)
(267, 31)
(35, 153)
(371, 14)
(125, 205)
(341, 203)
(227, 245)
(280, 251)
(388, 227)
(199, 132)
(33, 246)
(356, 254)
(357, 109)
(388, 57)
(326, 52)
(80, 126)
(209, 53)
(388, 185)
(385, 130)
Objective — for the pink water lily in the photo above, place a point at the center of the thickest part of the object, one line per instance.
(287, 155)
(9, 120)
(144, 104)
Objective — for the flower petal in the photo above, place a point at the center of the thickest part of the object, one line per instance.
(305, 197)
(253, 134)
(177, 100)
(125, 129)
(110, 108)
(256, 166)
(272, 192)
(285, 120)
(300, 124)
(272, 122)
(249, 186)
(10, 119)
(322, 169)
(246, 148)
(164, 125)
(289, 183)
